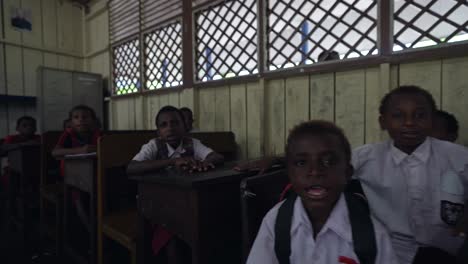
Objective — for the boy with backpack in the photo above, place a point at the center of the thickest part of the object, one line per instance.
(320, 222)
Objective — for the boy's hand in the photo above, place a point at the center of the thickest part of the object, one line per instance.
(89, 148)
(184, 163)
(261, 165)
(200, 166)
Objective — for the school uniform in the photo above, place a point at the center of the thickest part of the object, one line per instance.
(156, 149)
(418, 197)
(188, 146)
(333, 244)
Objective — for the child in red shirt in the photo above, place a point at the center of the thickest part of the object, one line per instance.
(81, 138)
(26, 128)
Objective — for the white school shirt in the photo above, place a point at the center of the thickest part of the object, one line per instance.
(333, 240)
(150, 149)
(416, 195)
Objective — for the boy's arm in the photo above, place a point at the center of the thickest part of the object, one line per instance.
(61, 151)
(214, 158)
(262, 165)
(138, 167)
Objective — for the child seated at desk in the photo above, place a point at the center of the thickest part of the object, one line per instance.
(81, 138)
(26, 133)
(317, 221)
(173, 147)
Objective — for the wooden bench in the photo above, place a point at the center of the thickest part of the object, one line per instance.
(114, 153)
(117, 222)
(258, 195)
(222, 142)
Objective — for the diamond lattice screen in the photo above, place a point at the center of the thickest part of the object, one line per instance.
(126, 67)
(299, 31)
(422, 23)
(163, 57)
(226, 40)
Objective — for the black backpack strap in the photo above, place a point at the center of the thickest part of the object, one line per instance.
(283, 229)
(363, 232)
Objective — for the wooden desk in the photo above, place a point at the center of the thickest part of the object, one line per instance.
(80, 173)
(202, 209)
(23, 193)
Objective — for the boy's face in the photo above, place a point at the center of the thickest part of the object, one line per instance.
(408, 120)
(188, 118)
(82, 121)
(318, 170)
(171, 127)
(26, 128)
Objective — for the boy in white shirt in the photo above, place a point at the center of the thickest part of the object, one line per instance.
(415, 184)
(318, 160)
(173, 147)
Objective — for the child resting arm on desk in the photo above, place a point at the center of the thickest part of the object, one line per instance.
(173, 147)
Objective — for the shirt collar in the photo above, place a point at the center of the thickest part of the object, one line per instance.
(337, 222)
(171, 151)
(422, 152)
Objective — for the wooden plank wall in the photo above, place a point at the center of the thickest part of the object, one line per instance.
(261, 113)
(55, 41)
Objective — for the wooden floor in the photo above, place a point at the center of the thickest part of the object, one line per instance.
(12, 247)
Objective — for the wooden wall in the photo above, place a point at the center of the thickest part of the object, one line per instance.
(261, 113)
(96, 47)
(56, 40)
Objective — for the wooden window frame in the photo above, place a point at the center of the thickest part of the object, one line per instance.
(384, 45)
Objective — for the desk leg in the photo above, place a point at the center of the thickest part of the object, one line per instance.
(66, 209)
(143, 240)
(92, 225)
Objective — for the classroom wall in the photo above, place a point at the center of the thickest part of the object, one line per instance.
(261, 113)
(56, 41)
(96, 47)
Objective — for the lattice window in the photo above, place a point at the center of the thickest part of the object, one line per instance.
(226, 40)
(163, 57)
(126, 67)
(422, 23)
(299, 31)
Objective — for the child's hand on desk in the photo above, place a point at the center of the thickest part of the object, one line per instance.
(200, 166)
(88, 148)
(184, 163)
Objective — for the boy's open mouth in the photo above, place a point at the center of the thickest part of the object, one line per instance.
(410, 134)
(316, 192)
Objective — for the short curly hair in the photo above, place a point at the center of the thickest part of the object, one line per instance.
(25, 118)
(319, 128)
(452, 123)
(407, 90)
